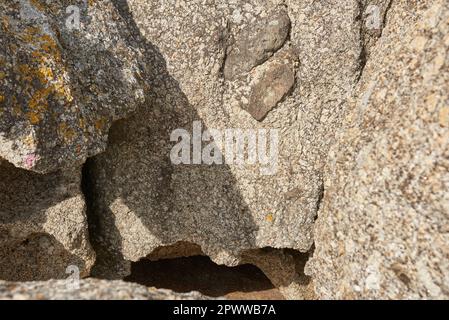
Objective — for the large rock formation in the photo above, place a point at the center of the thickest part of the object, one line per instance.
(226, 123)
(382, 230)
(204, 64)
(43, 225)
(62, 84)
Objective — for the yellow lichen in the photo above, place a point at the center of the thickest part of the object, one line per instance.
(25, 72)
(269, 217)
(99, 124)
(62, 89)
(38, 4)
(82, 123)
(33, 117)
(66, 132)
(46, 72)
(29, 141)
(5, 23)
(43, 76)
(39, 101)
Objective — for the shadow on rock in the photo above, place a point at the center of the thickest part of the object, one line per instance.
(139, 201)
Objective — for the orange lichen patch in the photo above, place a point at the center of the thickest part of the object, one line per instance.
(66, 132)
(38, 4)
(269, 217)
(43, 76)
(25, 72)
(28, 34)
(2, 98)
(5, 23)
(39, 101)
(49, 46)
(46, 73)
(99, 124)
(33, 117)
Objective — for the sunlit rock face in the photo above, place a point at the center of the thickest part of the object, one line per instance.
(308, 138)
(215, 63)
(62, 83)
(382, 229)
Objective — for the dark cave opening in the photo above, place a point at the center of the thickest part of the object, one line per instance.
(200, 273)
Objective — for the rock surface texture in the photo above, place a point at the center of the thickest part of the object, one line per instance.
(142, 201)
(43, 225)
(382, 227)
(61, 86)
(312, 137)
(89, 289)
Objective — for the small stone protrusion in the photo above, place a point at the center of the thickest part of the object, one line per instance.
(256, 43)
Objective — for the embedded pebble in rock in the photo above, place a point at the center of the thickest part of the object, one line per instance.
(89, 289)
(270, 85)
(259, 39)
(62, 87)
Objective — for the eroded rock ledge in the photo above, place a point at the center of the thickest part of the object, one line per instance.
(89, 289)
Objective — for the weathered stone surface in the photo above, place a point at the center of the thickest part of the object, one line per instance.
(43, 225)
(141, 201)
(89, 289)
(382, 227)
(285, 269)
(303, 68)
(61, 88)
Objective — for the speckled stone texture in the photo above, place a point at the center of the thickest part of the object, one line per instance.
(43, 225)
(357, 89)
(382, 229)
(141, 201)
(61, 88)
(89, 289)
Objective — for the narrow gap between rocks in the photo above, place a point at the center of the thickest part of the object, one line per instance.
(200, 273)
(88, 192)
